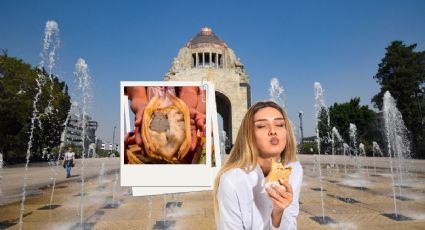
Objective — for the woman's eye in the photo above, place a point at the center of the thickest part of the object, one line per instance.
(260, 126)
(280, 125)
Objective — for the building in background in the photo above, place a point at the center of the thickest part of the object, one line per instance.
(74, 131)
(208, 58)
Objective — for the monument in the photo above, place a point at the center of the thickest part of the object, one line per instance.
(208, 58)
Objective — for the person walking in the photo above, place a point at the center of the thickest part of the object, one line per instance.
(69, 161)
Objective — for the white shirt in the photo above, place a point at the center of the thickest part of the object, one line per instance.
(69, 155)
(244, 203)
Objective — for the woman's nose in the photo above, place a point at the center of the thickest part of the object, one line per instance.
(272, 130)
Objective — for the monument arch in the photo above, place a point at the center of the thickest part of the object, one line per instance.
(207, 57)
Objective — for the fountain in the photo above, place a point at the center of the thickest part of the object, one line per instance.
(398, 148)
(40, 82)
(223, 140)
(92, 150)
(83, 84)
(50, 30)
(353, 142)
(63, 137)
(164, 223)
(335, 134)
(320, 104)
(51, 43)
(346, 149)
(277, 93)
(55, 164)
(376, 148)
(100, 179)
(362, 153)
(114, 202)
(398, 152)
(315, 162)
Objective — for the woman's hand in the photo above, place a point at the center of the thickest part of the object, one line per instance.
(281, 198)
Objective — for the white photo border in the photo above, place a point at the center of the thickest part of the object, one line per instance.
(159, 175)
(148, 191)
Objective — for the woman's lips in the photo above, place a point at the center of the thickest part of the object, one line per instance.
(274, 141)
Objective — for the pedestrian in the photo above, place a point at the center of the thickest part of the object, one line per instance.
(68, 161)
(241, 198)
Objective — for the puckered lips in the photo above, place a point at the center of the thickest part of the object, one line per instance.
(274, 141)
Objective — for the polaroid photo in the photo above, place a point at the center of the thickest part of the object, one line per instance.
(166, 149)
(216, 162)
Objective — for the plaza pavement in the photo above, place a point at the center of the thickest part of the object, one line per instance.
(353, 198)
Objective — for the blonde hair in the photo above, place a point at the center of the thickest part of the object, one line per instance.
(244, 153)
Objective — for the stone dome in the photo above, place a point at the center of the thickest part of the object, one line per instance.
(206, 38)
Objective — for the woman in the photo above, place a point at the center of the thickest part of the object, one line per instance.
(240, 198)
(68, 161)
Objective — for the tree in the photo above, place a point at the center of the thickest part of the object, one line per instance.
(341, 115)
(402, 73)
(324, 129)
(17, 91)
(15, 103)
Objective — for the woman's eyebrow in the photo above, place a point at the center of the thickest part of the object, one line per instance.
(276, 119)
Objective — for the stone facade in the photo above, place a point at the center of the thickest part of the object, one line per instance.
(208, 58)
(74, 131)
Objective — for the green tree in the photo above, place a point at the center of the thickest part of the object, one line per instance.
(324, 128)
(15, 103)
(341, 115)
(52, 121)
(402, 73)
(18, 88)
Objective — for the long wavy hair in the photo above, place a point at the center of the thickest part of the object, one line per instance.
(244, 152)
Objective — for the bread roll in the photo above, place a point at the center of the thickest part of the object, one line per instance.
(278, 171)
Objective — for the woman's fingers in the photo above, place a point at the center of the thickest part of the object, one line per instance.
(281, 196)
(280, 191)
(286, 184)
(272, 193)
(279, 201)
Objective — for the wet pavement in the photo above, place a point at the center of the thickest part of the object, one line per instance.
(358, 199)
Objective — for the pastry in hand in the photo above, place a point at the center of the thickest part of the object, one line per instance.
(277, 172)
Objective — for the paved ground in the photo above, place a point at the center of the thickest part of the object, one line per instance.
(353, 198)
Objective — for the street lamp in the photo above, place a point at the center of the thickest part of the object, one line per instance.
(300, 114)
(113, 140)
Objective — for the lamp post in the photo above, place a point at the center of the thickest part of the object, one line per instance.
(113, 140)
(300, 114)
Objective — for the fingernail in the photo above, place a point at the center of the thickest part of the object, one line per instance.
(281, 180)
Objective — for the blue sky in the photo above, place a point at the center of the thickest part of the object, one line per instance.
(336, 43)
